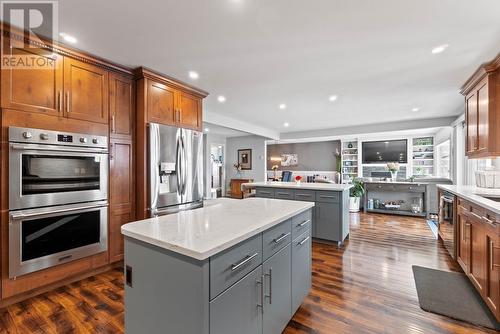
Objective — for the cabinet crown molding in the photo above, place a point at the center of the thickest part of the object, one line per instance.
(483, 70)
(143, 72)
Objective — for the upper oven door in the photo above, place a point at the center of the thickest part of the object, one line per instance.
(46, 175)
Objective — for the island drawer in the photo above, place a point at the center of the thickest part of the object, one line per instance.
(328, 196)
(301, 223)
(305, 195)
(409, 188)
(265, 192)
(228, 267)
(276, 238)
(381, 187)
(284, 193)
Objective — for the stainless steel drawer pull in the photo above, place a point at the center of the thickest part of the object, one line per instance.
(247, 259)
(281, 238)
(489, 221)
(325, 196)
(303, 195)
(303, 241)
(303, 223)
(270, 295)
(280, 193)
(265, 192)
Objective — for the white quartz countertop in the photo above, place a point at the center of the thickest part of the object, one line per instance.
(302, 185)
(219, 225)
(476, 195)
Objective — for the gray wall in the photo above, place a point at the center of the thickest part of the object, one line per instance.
(315, 156)
(258, 146)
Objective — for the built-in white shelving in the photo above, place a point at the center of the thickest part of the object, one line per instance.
(423, 156)
(349, 154)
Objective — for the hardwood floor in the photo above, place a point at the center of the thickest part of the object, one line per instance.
(366, 286)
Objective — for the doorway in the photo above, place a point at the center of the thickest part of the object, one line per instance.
(217, 178)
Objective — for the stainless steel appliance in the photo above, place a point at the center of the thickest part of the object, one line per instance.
(176, 169)
(447, 224)
(45, 237)
(58, 189)
(52, 168)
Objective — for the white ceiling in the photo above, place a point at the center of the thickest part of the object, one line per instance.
(222, 130)
(375, 55)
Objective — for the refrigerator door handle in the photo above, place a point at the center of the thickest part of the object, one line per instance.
(184, 164)
(155, 168)
(178, 165)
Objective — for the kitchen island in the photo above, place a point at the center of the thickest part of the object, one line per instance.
(330, 216)
(233, 266)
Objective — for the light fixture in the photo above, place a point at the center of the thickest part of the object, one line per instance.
(221, 98)
(193, 75)
(333, 98)
(68, 38)
(220, 146)
(207, 129)
(282, 106)
(439, 49)
(415, 109)
(286, 124)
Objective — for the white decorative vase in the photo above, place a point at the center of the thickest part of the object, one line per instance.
(394, 176)
(354, 204)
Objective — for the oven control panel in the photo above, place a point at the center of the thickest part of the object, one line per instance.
(39, 136)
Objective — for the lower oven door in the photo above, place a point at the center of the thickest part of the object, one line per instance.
(42, 238)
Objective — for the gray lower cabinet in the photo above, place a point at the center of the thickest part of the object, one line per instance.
(301, 269)
(245, 289)
(327, 221)
(330, 216)
(238, 309)
(277, 286)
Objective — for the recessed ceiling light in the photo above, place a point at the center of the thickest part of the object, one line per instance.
(439, 49)
(220, 146)
(68, 38)
(415, 109)
(193, 75)
(333, 97)
(282, 106)
(207, 129)
(286, 124)
(221, 98)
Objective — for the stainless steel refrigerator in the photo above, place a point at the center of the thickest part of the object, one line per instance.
(175, 169)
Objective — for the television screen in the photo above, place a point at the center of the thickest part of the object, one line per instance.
(384, 151)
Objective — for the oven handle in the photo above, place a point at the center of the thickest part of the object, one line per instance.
(447, 200)
(57, 148)
(21, 215)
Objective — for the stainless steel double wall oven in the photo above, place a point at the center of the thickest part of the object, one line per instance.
(58, 198)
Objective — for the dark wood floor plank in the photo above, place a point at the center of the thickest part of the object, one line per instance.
(364, 286)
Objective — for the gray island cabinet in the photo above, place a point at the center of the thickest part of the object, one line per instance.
(330, 216)
(234, 266)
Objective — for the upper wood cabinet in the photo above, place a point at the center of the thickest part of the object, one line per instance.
(167, 101)
(30, 89)
(482, 111)
(86, 90)
(161, 104)
(121, 105)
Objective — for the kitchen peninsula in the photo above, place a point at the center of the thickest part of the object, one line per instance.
(232, 266)
(330, 216)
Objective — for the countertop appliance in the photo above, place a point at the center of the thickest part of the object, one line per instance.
(58, 198)
(447, 223)
(175, 169)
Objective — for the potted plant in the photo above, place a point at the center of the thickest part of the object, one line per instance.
(355, 193)
(275, 170)
(237, 167)
(393, 167)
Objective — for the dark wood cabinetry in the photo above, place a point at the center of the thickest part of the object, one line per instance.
(161, 103)
(479, 250)
(482, 111)
(85, 91)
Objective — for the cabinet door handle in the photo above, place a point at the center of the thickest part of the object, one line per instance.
(261, 285)
(303, 241)
(68, 103)
(113, 124)
(281, 238)
(491, 256)
(303, 223)
(59, 101)
(247, 259)
(270, 295)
